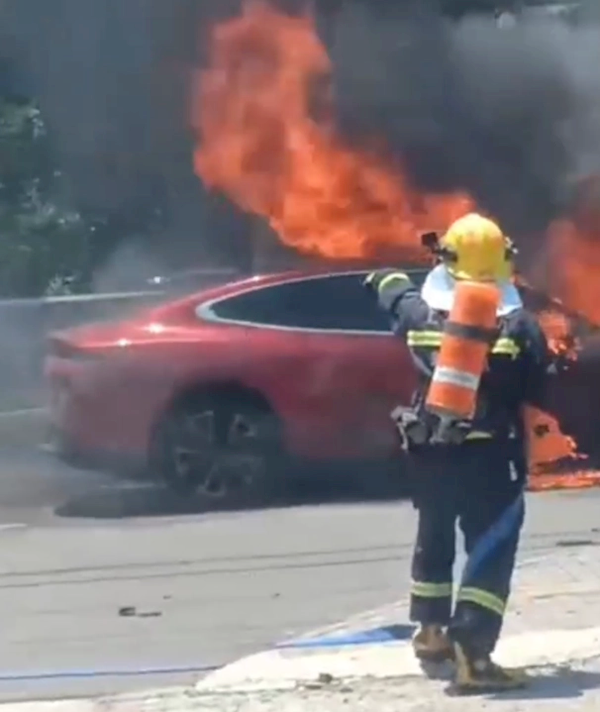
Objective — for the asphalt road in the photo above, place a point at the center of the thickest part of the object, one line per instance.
(104, 589)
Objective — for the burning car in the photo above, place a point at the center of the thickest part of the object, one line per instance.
(212, 392)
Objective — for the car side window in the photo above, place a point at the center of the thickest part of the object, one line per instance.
(333, 302)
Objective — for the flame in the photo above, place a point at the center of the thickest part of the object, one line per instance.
(548, 445)
(573, 258)
(549, 448)
(574, 262)
(261, 145)
(558, 331)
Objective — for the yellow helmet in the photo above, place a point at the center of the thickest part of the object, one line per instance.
(475, 248)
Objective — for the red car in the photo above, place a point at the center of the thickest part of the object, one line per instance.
(211, 391)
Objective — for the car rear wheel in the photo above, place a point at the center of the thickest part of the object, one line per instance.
(223, 449)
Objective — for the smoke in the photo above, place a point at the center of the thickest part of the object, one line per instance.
(131, 267)
(512, 115)
(112, 79)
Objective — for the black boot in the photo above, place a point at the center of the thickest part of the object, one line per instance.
(432, 645)
(479, 674)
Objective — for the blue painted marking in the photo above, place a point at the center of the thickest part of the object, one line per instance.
(387, 634)
(17, 676)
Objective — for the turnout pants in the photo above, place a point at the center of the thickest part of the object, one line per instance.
(480, 486)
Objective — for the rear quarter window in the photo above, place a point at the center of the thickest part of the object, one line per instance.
(339, 302)
(334, 302)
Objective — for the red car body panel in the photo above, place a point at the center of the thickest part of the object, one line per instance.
(333, 389)
(333, 392)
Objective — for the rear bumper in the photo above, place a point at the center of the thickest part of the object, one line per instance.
(91, 410)
(124, 464)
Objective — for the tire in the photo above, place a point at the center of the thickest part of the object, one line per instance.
(225, 450)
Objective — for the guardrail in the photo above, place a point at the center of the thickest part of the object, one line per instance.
(25, 323)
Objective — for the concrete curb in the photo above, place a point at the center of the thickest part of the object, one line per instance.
(549, 589)
(280, 670)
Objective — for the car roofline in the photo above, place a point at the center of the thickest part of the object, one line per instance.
(205, 310)
(295, 275)
(252, 284)
(268, 279)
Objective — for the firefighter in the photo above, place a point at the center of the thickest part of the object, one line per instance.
(472, 470)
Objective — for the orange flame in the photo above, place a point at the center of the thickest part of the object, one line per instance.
(261, 146)
(548, 445)
(557, 328)
(573, 260)
(574, 265)
(260, 143)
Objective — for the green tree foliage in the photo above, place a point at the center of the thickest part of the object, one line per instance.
(43, 241)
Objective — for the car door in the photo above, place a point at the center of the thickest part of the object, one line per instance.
(361, 371)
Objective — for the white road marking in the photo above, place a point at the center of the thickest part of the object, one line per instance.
(22, 411)
(11, 526)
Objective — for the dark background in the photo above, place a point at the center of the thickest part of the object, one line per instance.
(112, 81)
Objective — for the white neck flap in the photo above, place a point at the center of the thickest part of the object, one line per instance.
(438, 292)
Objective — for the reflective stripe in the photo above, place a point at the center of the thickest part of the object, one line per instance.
(479, 435)
(424, 338)
(431, 590)
(482, 598)
(422, 343)
(391, 278)
(433, 339)
(506, 346)
(444, 374)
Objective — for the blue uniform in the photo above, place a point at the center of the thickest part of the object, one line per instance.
(479, 479)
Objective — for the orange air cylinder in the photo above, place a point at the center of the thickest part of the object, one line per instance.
(468, 334)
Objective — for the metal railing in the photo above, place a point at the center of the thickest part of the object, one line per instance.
(25, 324)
